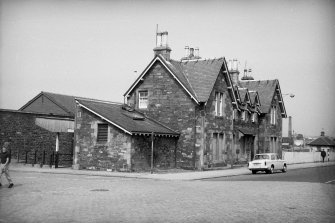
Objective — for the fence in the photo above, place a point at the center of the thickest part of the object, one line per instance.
(306, 157)
(42, 158)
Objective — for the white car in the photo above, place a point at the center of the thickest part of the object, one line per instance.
(268, 162)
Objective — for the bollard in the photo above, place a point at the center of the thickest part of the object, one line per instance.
(18, 155)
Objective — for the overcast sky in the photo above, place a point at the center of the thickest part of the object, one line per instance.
(93, 48)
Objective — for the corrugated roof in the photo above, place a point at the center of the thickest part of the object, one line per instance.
(323, 141)
(126, 119)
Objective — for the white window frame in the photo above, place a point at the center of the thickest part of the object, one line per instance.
(218, 104)
(253, 117)
(243, 115)
(143, 100)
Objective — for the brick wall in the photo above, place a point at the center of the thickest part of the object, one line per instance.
(20, 130)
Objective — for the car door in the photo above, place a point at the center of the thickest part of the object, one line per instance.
(280, 162)
(274, 161)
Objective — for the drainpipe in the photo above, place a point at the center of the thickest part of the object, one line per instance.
(152, 152)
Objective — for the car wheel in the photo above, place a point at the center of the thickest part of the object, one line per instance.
(254, 171)
(284, 169)
(270, 171)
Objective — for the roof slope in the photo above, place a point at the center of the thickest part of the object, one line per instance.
(266, 90)
(129, 120)
(197, 77)
(323, 141)
(65, 102)
(200, 75)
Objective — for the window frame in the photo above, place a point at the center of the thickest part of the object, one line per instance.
(141, 99)
(218, 104)
(104, 133)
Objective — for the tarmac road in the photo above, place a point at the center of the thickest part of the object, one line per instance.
(46, 197)
(321, 174)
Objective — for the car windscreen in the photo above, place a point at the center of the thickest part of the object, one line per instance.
(261, 157)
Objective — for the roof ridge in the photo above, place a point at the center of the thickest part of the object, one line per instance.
(97, 100)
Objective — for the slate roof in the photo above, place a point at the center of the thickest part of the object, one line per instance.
(266, 90)
(66, 102)
(323, 141)
(125, 118)
(196, 76)
(200, 75)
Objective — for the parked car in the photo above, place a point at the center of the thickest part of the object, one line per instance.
(268, 162)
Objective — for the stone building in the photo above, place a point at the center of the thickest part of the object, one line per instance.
(113, 136)
(221, 119)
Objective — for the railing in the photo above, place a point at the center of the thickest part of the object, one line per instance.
(42, 158)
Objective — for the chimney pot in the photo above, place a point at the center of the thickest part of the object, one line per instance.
(162, 47)
(187, 51)
(196, 52)
(191, 52)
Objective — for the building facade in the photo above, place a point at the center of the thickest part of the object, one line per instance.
(221, 119)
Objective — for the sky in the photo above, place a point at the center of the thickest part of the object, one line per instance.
(97, 48)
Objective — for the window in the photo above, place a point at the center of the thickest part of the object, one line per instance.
(102, 135)
(218, 102)
(234, 114)
(243, 117)
(273, 115)
(253, 117)
(143, 99)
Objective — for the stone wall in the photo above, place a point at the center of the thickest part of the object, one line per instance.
(218, 124)
(171, 105)
(20, 130)
(122, 151)
(267, 130)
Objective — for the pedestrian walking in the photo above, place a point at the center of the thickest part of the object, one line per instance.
(4, 165)
(323, 155)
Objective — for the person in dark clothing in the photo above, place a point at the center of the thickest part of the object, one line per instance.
(4, 165)
(323, 155)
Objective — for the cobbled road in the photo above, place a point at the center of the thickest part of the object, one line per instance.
(45, 197)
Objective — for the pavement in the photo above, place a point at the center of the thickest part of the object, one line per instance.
(181, 176)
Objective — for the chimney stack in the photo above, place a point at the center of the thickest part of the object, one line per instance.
(187, 51)
(233, 70)
(191, 53)
(162, 46)
(322, 133)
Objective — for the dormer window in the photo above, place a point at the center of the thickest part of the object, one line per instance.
(243, 118)
(143, 99)
(254, 117)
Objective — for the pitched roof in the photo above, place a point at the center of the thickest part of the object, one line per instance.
(323, 141)
(200, 75)
(65, 102)
(125, 118)
(266, 90)
(197, 77)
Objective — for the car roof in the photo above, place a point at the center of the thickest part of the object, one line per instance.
(266, 154)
